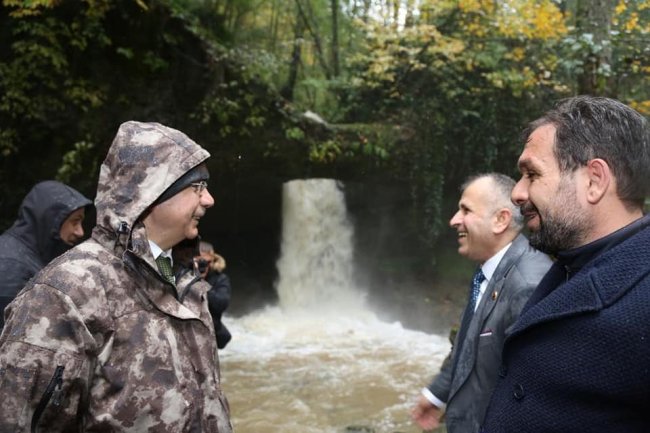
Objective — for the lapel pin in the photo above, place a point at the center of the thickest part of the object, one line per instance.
(494, 295)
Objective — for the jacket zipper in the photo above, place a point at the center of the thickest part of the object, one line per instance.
(567, 269)
(189, 285)
(52, 392)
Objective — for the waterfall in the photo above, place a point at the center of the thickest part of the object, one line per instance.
(316, 263)
(320, 361)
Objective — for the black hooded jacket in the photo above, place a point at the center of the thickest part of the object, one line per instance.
(33, 240)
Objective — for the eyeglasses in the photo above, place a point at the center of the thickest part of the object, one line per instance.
(199, 187)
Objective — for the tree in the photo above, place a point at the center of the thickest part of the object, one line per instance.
(458, 83)
(70, 75)
(336, 68)
(296, 55)
(594, 18)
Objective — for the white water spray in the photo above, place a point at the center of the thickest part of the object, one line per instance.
(316, 266)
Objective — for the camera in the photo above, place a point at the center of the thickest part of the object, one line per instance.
(202, 264)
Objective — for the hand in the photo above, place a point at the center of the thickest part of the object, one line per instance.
(201, 270)
(426, 414)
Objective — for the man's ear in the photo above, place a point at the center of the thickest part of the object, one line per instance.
(600, 179)
(501, 220)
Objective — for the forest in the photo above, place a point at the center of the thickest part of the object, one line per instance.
(398, 99)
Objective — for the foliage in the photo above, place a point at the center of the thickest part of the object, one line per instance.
(459, 82)
(45, 92)
(71, 72)
(467, 75)
(77, 162)
(422, 93)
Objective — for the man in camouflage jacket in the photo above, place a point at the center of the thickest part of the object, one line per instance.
(101, 340)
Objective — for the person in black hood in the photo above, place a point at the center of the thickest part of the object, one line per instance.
(49, 223)
(211, 266)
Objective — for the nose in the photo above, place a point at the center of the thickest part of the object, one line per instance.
(79, 231)
(455, 220)
(206, 199)
(519, 194)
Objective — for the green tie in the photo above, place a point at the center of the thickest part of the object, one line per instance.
(165, 267)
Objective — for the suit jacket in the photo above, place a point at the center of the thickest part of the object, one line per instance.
(467, 381)
(578, 360)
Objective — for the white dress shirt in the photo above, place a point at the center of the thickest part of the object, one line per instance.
(157, 251)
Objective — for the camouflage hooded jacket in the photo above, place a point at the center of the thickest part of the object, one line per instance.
(99, 341)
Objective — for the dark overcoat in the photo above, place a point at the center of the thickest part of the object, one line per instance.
(579, 359)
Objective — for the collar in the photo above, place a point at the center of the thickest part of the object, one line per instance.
(491, 264)
(573, 260)
(615, 268)
(157, 251)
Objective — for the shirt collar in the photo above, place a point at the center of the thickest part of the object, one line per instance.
(157, 251)
(491, 264)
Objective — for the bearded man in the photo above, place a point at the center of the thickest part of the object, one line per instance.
(577, 358)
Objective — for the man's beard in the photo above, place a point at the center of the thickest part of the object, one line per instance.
(558, 233)
(564, 226)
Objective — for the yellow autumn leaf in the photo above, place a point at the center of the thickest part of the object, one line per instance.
(470, 5)
(632, 23)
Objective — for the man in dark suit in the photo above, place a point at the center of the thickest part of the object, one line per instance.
(488, 226)
(578, 358)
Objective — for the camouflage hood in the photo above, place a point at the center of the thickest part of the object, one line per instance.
(144, 160)
(99, 340)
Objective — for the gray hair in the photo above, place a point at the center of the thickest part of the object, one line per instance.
(206, 247)
(500, 198)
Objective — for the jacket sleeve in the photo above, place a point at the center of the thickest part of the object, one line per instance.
(219, 295)
(218, 301)
(524, 279)
(517, 303)
(441, 383)
(14, 277)
(44, 363)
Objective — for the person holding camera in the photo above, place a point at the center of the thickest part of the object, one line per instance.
(211, 266)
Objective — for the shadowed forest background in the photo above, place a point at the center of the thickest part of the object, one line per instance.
(398, 99)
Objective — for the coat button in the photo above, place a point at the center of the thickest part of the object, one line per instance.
(503, 370)
(518, 391)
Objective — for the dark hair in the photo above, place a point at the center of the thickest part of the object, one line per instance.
(590, 127)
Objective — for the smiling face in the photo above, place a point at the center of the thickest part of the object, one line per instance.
(549, 199)
(475, 222)
(177, 218)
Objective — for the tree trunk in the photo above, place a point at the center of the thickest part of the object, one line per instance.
(335, 38)
(594, 17)
(294, 64)
(366, 10)
(310, 25)
(409, 21)
(396, 4)
(273, 27)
